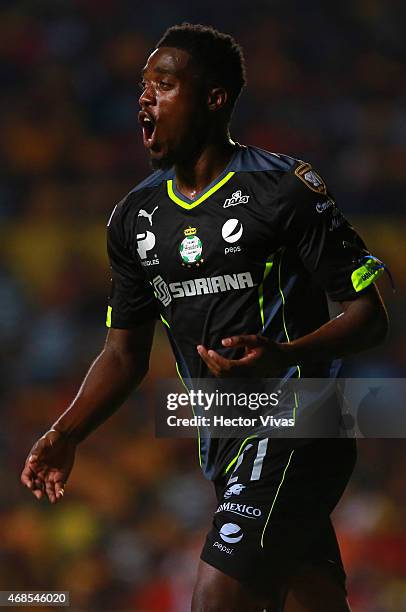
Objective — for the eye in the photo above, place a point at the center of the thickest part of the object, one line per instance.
(164, 85)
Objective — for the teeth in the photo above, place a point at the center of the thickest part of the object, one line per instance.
(147, 120)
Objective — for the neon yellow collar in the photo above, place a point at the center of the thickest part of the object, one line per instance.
(192, 203)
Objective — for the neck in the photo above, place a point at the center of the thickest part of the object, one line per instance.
(211, 158)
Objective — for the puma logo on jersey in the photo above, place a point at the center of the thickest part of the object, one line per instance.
(143, 213)
(236, 198)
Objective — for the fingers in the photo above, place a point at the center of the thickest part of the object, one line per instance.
(250, 341)
(40, 481)
(32, 479)
(208, 359)
(54, 491)
(59, 489)
(50, 490)
(30, 472)
(222, 367)
(27, 476)
(218, 365)
(38, 488)
(54, 487)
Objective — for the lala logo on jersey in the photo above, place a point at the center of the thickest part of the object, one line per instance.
(236, 198)
(191, 248)
(311, 178)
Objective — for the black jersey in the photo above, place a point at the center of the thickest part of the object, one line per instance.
(255, 253)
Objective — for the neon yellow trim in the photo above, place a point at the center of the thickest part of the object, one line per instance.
(286, 330)
(268, 268)
(365, 275)
(282, 297)
(274, 499)
(180, 376)
(164, 321)
(230, 465)
(108, 317)
(198, 430)
(204, 197)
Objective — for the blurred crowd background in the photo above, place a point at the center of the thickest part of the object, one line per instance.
(326, 84)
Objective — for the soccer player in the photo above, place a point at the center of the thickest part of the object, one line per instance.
(235, 249)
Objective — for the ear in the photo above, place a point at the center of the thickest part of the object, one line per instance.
(217, 98)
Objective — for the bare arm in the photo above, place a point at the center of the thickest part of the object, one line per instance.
(118, 369)
(362, 325)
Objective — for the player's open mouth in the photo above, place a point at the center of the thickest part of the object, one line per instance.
(148, 128)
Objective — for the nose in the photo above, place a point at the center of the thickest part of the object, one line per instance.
(147, 98)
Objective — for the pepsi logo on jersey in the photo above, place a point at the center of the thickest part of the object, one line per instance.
(236, 249)
(231, 232)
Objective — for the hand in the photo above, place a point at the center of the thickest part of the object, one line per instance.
(48, 465)
(263, 358)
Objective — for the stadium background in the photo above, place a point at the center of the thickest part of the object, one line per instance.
(326, 83)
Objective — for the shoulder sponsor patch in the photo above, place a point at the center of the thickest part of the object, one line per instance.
(311, 178)
(367, 273)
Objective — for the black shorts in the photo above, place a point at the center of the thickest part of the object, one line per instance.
(273, 514)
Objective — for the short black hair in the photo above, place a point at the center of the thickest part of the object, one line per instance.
(217, 55)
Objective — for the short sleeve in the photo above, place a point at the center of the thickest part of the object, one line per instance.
(131, 300)
(329, 247)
